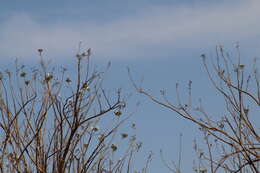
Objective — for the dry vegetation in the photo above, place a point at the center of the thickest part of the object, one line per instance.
(51, 123)
(232, 139)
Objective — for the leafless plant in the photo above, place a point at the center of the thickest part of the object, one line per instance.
(51, 123)
(232, 139)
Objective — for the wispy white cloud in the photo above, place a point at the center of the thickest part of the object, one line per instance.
(165, 26)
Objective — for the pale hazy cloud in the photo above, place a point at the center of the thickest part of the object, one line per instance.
(170, 26)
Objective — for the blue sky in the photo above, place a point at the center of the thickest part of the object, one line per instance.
(130, 28)
(160, 41)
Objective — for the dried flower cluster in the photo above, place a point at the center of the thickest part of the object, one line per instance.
(50, 123)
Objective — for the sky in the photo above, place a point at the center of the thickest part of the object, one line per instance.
(160, 41)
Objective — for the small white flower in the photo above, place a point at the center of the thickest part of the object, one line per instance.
(94, 128)
(101, 137)
(48, 77)
(70, 101)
